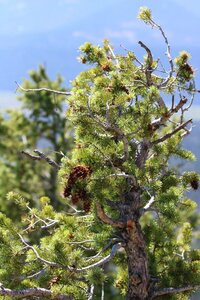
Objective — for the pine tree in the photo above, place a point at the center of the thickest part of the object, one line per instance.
(130, 222)
(39, 123)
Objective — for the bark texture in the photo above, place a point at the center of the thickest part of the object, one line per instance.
(139, 279)
(135, 247)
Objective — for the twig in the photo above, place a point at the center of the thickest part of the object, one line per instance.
(46, 262)
(50, 161)
(168, 52)
(123, 175)
(41, 156)
(34, 157)
(47, 222)
(104, 260)
(115, 248)
(37, 274)
(101, 251)
(50, 224)
(114, 56)
(80, 242)
(43, 89)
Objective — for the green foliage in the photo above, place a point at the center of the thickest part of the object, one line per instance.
(145, 14)
(185, 71)
(40, 122)
(119, 186)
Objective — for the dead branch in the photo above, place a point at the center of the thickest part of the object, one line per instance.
(168, 53)
(41, 156)
(148, 68)
(104, 260)
(42, 89)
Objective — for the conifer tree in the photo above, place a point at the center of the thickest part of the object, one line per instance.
(130, 222)
(30, 127)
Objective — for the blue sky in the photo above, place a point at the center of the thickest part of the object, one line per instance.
(49, 32)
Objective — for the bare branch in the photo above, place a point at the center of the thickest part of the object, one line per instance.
(91, 293)
(107, 220)
(46, 262)
(47, 221)
(115, 248)
(102, 250)
(37, 274)
(33, 292)
(34, 157)
(80, 242)
(114, 56)
(104, 260)
(50, 161)
(160, 121)
(148, 68)
(168, 135)
(41, 156)
(148, 205)
(168, 53)
(43, 89)
(167, 291)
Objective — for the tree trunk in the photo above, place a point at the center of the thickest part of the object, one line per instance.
(138, 272)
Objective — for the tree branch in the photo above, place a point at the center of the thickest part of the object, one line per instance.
(41, 156)
(114, 57)
(33, 292)
(43, 89)
(148, 205)
(107, 220)
(148, 68)
(168, 135)
(167, 291)
(50, 161)
(47, 221)
(104, 260)
(91, 292)
(160, 121)
(168, 52)
(46, 262)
